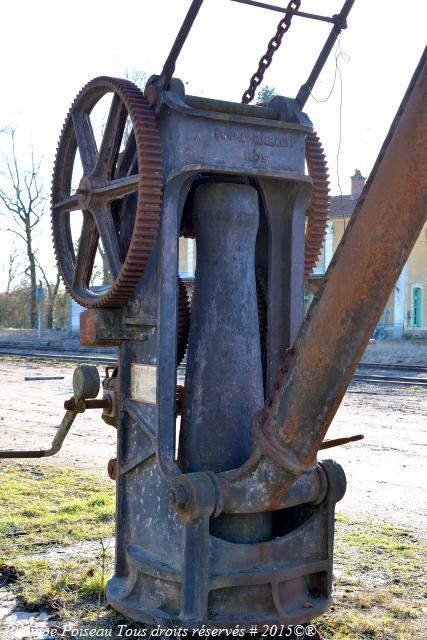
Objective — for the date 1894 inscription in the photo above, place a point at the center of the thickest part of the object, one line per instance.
(249, 137)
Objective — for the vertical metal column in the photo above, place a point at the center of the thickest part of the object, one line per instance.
(224, 387)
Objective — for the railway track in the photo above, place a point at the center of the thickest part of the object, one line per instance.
(94, 358)
(389, 373)
(400, 380)
(63, 356)
(392, 367)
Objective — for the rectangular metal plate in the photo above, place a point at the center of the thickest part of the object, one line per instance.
(144, 383)
(251, 148)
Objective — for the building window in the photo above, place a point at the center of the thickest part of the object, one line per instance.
(417, 307)
(190, 257)
(187, 257)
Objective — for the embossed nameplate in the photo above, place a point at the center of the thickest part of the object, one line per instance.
(254, 148)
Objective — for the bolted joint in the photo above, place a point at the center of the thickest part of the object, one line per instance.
(78, 405)
(153, 90)
(340, 22)
(195, 495)
(70, 404)
(81, 405)
(179, 498)
(112, 468)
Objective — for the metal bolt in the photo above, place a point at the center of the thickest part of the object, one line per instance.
(112, 468)
(178, 498)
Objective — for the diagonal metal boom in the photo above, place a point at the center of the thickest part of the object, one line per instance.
(384, 227)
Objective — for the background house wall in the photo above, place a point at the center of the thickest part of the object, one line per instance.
(406, 310)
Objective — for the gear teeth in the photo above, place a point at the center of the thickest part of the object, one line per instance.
(262, 312)
(183, 325)
(179, 399)
(147, 216)
(318, 206)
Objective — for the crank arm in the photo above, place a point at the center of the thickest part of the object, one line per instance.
(56, 445)
(86, 387)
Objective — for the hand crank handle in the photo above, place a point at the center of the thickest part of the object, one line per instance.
(56, 445)
(86, 388)
(73, 407)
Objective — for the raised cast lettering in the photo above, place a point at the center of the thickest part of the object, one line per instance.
(258, 139)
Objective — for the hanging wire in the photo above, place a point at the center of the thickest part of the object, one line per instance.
(339, 55)
(340, 131)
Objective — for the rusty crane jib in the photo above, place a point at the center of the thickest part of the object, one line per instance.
(230, 521)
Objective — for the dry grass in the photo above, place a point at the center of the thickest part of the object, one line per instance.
(380, 586)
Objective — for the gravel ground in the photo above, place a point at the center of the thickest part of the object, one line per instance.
(385, 471)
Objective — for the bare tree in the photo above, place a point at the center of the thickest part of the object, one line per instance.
(139, 78)
(52, 295)
(13, 267)
(107, 276)
(22, 200)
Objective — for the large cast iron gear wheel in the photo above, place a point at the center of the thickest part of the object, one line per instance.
(107, 187)
(318, 206)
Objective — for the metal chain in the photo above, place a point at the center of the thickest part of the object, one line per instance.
(273, 45)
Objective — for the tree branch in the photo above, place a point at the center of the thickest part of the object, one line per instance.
(16, 233)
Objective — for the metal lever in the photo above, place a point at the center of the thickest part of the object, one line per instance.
(169, 66)
(337, 442)
(86, 385)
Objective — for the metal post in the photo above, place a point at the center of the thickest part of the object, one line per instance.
(39, 300)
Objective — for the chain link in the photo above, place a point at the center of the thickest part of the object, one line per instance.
(273, 45)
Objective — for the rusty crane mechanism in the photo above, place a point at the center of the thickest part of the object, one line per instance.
(232, 522)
